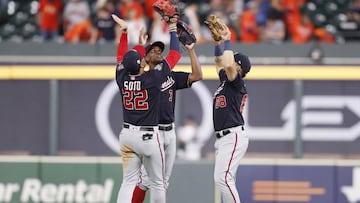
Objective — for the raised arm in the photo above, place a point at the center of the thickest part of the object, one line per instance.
(142, 41)
(123, 46)
(174, 53)
(196, 72)
(218, 52)
(228, 56)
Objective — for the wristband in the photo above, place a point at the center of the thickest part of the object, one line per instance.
(227, 45)
(173, 29)
(218, 50)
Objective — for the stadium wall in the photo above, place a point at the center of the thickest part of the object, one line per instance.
(97, 179)
(52, 110)
(50, 95)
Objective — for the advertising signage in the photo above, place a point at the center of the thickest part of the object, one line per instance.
(90, 180)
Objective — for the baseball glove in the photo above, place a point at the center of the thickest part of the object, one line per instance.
(168, 9)
(185, 33)
(215, 26)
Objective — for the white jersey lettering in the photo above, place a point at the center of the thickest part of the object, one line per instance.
(132, 85)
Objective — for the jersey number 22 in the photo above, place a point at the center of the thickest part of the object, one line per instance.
(135, 100)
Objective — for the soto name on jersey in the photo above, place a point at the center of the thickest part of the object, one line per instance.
(132, 85)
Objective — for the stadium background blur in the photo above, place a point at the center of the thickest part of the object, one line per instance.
(51, 90)
(251, 21)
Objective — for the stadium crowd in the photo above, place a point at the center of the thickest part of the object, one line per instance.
(250, 21)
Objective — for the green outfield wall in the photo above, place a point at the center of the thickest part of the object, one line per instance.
(45, 179)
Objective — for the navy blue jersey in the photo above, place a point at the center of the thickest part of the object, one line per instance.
(140, 96)
(172, 82)
(229, 101)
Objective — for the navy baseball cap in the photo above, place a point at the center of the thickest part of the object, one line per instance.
(131, 62)
(243, 62)
(149, 47)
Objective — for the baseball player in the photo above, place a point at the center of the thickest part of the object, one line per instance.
(140, 141)
(228, 103)
(173, 81)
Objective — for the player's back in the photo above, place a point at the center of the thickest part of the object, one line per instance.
(140, 97)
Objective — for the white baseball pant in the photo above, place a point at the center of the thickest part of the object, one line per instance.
(169, 137)
(139, 148)
(229, 150)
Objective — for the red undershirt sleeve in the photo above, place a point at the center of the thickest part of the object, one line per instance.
(122, 47)
(173, 58)
(140, 49)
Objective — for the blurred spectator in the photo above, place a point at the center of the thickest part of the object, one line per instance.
(48, 18)
(218, 6)
(354, 13)
(274, 31)
(192, 19)
(234, 11)
(229, 12)
(149, 12)
(349, 23)
(159, 30)
(263, 12)
(304, 31)
(246, 20)
(133, 12)
(77, 21)
(189, 145)
(248, 24)
(104, 26)
(322, 35)
(131, 9)
(291, 13)
(237, 7)
(234, 36)
(100, 4)
(277, 7)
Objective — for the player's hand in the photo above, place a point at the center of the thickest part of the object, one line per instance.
(122, 23)
(190, 47)
(172, 23)
(172, 20)
(226, 34)
(143, 63)
(142, 36)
